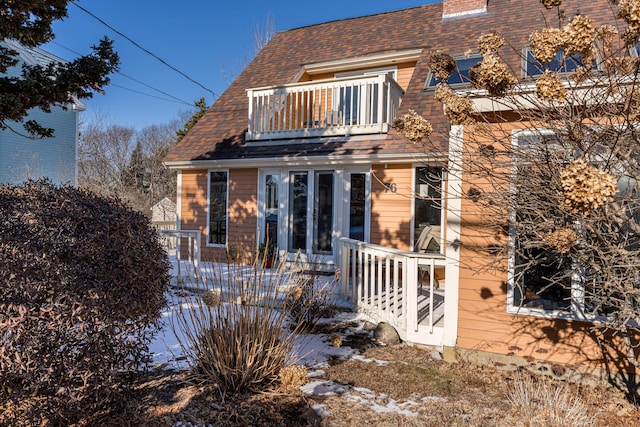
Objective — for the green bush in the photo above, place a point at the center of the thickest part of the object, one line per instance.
(82, 284)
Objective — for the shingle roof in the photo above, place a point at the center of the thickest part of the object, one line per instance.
(220, 132)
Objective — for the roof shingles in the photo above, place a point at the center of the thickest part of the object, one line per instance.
(220, 132)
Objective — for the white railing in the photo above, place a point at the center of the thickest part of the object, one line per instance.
(344, 106)
(190, 247)
(384, 282)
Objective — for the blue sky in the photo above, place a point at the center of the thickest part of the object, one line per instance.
(204, 39)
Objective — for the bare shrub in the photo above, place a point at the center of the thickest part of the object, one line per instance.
(83, 281)
(308, 301)
(242, 343)
(543, 402)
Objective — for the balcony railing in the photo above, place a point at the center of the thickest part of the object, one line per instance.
(344, 106)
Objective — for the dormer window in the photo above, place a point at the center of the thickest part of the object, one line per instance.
(464, 64)
(560, 64)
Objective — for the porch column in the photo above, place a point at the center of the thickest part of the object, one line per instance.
(452, 251)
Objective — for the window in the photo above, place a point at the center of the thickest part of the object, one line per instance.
(298, 191)
(542, 281)
(559, 63)
(271, 204)
(357, 206)
(427, 209)
(459, 77)
(217, 208)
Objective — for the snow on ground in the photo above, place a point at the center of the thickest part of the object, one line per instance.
(313, 350)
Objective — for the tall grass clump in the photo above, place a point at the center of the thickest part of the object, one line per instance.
(241, 339)
(541, 401)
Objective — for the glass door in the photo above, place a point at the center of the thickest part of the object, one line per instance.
(298, 184)
(323, 213)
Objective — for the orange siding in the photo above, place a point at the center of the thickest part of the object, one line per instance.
(484, 323)
(391, 212)
(243, 210)
(405, 71)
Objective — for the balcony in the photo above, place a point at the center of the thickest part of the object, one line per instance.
(340, 107)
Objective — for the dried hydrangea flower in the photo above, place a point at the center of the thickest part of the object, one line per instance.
(629, 10)
(490, 43)
(551, 3)
(606, 34)
(586, 187)
(549, 88)
(293, 377)
(457, 108)
(211, 298)
(581, 36)
(493, 75)
(414, 126)
(442, 65)
(561, 240)
(546, 42)
(581, 74)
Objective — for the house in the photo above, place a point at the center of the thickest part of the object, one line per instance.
(22, 157)
(300, 151)
(163, 214)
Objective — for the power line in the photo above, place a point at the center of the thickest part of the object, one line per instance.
(143, 49)
(174, 98)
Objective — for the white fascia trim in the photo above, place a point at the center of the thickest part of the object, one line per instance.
(363, 62)
(364, 159)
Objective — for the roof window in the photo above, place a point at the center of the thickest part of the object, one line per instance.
(464, 64)
(560, 64)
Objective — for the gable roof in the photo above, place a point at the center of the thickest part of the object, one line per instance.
(219, 134)
(37, 56)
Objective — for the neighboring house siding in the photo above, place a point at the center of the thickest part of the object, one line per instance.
(391, 211)
(22, 158)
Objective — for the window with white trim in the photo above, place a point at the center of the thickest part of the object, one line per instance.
(218, 204)
(559, 64)
(461, 76)
(541, 281)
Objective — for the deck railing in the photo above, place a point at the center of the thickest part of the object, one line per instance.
(343, 106)
(384, 283)
(186, 244)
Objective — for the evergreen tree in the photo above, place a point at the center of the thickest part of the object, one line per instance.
(202, 108)
(29, 23)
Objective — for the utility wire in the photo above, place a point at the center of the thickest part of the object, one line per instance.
(143, 49)
(174, 99)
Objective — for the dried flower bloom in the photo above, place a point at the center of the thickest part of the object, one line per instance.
(581, 74)
(211, 298)
(545, 43)
(297, 293)
(442, 65)
(493, 75)
(551, 3)
(293, 377)
(605, 34)
(490, 43)
(561, 240)
(457, 108)
(336, 340)
(629, 10)
(581, 35)
(585, 187)
(414, 126)
(549, 88)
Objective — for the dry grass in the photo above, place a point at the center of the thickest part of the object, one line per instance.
(443, 394)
